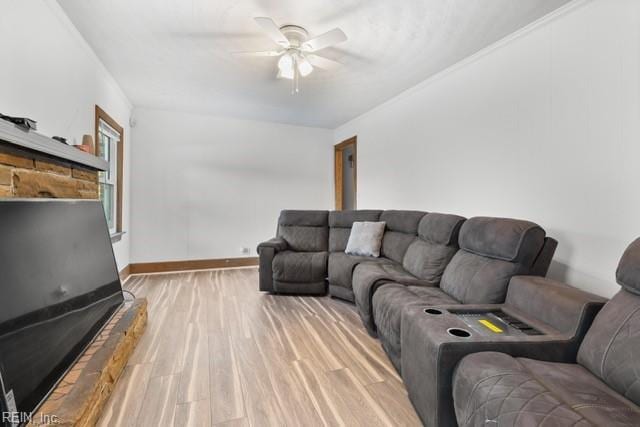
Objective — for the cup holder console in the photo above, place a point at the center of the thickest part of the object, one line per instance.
(494, 323)
(432, 311)
(459, 333)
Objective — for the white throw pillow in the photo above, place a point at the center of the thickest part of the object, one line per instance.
(365, 238)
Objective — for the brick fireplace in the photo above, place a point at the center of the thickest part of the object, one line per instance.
(27, 174)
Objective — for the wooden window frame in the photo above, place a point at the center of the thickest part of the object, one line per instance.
(102, 115)
(338, 149)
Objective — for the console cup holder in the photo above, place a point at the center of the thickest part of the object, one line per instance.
(459, 333)
(433, 311)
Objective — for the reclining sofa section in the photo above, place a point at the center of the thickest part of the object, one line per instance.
(295, 261)
(417, 255)
(492, 251)
(602, 388)
(341, 265)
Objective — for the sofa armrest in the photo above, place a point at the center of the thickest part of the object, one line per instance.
(278, 244)
(265, 277)
(565, 308)
(267, 251)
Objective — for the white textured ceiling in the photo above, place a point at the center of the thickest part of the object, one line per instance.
(175, 54)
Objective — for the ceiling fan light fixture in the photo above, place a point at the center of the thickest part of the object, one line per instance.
(288, 73)
(296, 50)
(304, 66)
(285, 63)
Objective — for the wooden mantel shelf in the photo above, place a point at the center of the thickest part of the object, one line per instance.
(34, 141)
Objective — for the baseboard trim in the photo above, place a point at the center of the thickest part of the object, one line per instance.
(197, 264)
(125, 273)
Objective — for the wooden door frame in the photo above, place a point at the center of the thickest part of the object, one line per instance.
(337, 156)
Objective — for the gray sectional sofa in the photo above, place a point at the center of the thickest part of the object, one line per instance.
(439, 277)
(600, 387)
(305, 238)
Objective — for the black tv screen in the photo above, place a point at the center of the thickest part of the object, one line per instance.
(59, 285)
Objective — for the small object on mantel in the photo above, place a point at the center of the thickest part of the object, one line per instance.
(60, 139)
(85, 148)
(23, 122)
(87, 144)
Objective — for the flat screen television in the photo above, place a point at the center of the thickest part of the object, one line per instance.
(59, 285)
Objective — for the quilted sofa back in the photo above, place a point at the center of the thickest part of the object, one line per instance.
(611, 348)
(492, 250)
(437, 242)
(304, 231)
(401, 230)
(340, 223)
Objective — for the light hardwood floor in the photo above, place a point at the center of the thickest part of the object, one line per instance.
(218, 352)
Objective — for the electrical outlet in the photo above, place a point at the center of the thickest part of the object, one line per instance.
(244, 251)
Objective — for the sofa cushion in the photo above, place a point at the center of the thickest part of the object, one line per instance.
(502, 238)
(305, 239)
(401, 230)
(474, 279)
(509, 391)
(395, 245)
(289, 266)
(341, 266)
(304, 231)
(338, 239)
(388, 302)
(611, 348)
(426, 260)
(585, 393)
(340, 223)
(441, 229)
(367, 277)
(365, 239)
(437, 242)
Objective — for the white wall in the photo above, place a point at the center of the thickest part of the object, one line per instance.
(543, 126)
(204, 186)
(49, 73)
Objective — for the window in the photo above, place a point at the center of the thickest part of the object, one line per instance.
(109, 144)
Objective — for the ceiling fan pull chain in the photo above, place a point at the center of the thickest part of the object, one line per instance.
(296, 76)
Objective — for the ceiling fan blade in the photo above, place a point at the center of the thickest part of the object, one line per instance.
(327, 39)
(322, 62)
(263, 53)
(272, 30)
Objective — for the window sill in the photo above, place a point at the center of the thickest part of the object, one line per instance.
(116, 237)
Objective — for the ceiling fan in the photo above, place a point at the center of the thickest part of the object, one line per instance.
(296, 51)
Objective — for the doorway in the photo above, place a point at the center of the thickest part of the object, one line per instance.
(346, 155)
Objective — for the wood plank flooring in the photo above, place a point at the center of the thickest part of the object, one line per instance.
(219, 353)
